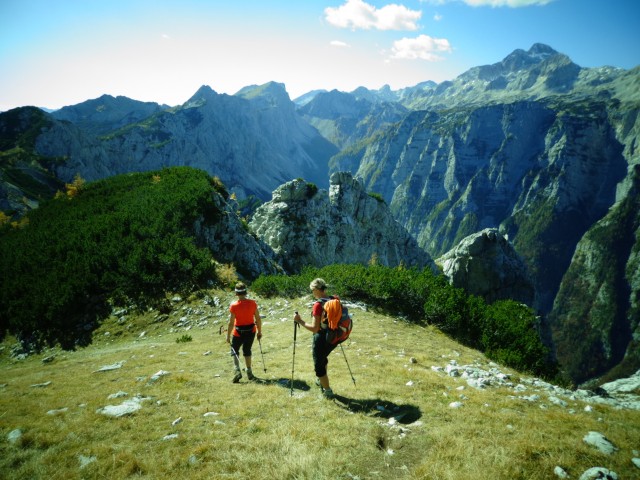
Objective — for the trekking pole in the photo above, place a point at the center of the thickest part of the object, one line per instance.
(293, 362)
(223, 329)
(235, 355)
(263, 365)
(345, 359)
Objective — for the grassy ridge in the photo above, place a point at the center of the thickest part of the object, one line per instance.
(383, 428)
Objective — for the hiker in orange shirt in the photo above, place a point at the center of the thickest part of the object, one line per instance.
(244, 322)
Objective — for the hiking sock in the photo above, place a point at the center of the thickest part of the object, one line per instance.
(236, 362)
(250, 374)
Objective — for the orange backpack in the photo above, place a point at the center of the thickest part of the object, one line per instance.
(336, 320)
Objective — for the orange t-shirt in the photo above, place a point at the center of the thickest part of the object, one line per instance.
(244, 310)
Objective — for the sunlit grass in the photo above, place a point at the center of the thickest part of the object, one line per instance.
(395, 422)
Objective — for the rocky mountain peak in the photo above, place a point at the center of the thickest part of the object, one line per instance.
(332, 104)
(540, 49)
(307, 226)
(272, 93)
(519, 59)
(202, 95)
(514, 63)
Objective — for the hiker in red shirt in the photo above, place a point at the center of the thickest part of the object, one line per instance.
(321, 347)
(244, 322)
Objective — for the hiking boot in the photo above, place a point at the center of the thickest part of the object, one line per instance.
(237, 376)
(328, 393)
(250, 374)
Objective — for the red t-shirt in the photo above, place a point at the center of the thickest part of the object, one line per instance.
(244, 310)
(317, 309)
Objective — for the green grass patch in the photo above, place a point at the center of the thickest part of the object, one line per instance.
(195, 423)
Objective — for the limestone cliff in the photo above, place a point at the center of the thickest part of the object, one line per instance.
(230, 242)
(307, 226)
(596, 315)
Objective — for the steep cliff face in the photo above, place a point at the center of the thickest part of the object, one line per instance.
(306, 226)
(540, 149)
(231, 243)
(541, 173)
(25, 180)
(596, 314)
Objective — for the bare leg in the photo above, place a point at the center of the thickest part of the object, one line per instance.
(324, 382)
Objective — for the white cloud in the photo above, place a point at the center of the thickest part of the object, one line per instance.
(338, 43)
(437, 17)
(422, 47)
(357, 14)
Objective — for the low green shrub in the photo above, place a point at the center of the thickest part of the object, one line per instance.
(505, 331)
(510, 336)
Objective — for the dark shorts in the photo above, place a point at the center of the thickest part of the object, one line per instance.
(321, 351)
(245, 340)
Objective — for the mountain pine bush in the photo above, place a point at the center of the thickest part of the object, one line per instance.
(122, 239)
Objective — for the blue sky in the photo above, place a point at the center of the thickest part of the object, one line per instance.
(62, 52)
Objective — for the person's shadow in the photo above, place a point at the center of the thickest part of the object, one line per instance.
(284, 383)
(404, 413)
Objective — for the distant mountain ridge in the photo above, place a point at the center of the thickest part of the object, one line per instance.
(106, 113)
(253, 141)
(533, 145)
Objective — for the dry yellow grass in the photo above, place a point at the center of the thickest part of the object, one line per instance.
(260, 431)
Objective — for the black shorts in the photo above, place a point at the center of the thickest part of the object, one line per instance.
(321, 351)
(245, 340)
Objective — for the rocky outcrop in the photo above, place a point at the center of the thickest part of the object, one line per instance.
(230, 242)
(486, 264)
(307, 226)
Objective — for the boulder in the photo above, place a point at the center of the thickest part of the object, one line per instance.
(487, 265)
